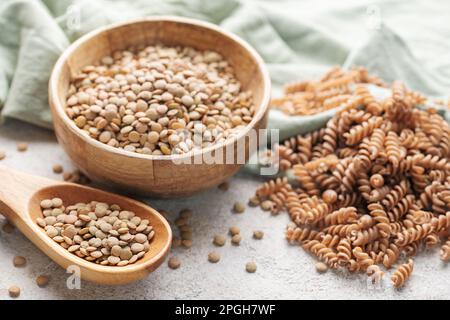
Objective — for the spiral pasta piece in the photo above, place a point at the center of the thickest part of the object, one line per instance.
(323, 252)
(363, 259)
(330, 138)
(359, 132)
(344, 254)
(392, 145)
(402, 273)
(372, 105)
(401, 208)
(432, 240)
(273, 186)
(363, 237)
(441, 223)
(445, 251)
(308, 210)
(412, 249)
(391, 255)
(395, 195)
(376, 143)
(341, 216)
(305, 180)
(347, 200)
(375, 274)
(286, 157)
(322, 164)
(413, 234)
(299, 235)
(351, 174)
(381, 219)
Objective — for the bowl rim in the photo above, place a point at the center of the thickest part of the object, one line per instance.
(58, 108)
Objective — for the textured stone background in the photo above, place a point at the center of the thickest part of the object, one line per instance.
(284, 271)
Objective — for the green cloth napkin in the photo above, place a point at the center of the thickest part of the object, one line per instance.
(297, 39)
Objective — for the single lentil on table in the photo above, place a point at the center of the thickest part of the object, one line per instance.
(234, 230)
(22, 146)
(219, 240)
(14, 291)
(19, 261)
(42, 280)
(239, 207)
(8, 227)
(236, 239)
(250, 267)
(258, 235)
(213, 257)
(57, 168)
(174, 263)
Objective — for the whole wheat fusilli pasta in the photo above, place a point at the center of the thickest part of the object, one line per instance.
(373, 183)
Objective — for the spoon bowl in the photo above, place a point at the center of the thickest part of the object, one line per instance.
(20, 197)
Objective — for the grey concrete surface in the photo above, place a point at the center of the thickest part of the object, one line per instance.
(284, 271)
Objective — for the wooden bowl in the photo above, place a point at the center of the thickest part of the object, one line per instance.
(161, 176)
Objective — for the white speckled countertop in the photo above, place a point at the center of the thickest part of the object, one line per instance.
(284, 271)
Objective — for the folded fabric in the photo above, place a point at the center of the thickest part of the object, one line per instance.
(297, 39)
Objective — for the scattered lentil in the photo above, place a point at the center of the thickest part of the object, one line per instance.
(236, 239)
(239, 207)
(97, 232)
(19, 261)
(42, 280)
(258, 235)
(14, 291)
(219, 240)
(267, 205)
(174, 263)
(186, 243)
(176, 242)
(250, 267)
(8, 227)
(213, 257)
(254, 201)
(58, 169)
(2, 155)
(234, 230)
(22, 146)
(321, 267)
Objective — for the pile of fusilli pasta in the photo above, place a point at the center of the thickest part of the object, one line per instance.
(372, 187)
(335, 88)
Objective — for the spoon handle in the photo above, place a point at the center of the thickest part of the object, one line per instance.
(16, 189)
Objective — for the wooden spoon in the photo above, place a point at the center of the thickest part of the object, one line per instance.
(20, 197)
